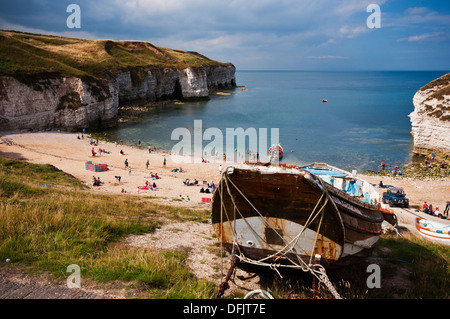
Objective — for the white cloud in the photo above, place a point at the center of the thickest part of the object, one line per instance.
(421, 37)
(352, 32)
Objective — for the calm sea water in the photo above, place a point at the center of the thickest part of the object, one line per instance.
(364, 122)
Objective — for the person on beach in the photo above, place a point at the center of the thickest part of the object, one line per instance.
(383, 166)
(126, 163)
(147, 164)
(164, 162)
(447, 208)
(220, 169)
(436, 213)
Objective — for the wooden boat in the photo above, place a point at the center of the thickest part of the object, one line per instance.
(287, 215)
(433, 230)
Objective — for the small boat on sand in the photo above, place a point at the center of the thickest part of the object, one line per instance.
(287, 215)
(433, 230)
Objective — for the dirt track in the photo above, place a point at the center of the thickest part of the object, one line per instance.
(15, 290)
(17, 283)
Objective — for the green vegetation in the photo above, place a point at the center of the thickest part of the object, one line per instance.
(33, 57)
(49, 221)
(410, 268)
(444, 90)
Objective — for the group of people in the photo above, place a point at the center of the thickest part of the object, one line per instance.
(188, 182)
(153, 176)
(100, 150)
(96, 181)
(395, 171)
(152, 187)
(206, 188)
(184, 198)
(428, 209)
(429, 163)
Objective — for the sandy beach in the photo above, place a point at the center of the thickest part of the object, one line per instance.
(69, 154)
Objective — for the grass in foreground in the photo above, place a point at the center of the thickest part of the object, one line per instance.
(410, 268)
(52, 227)
(48, 221)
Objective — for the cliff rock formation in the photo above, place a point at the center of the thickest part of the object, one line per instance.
(431, 117)
(49, 82)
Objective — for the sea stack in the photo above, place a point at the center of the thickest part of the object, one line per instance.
(431, 118)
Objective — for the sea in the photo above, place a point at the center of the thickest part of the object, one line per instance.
(363, 122)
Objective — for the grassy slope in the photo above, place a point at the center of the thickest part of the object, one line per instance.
(49, 220)
(52, 227)
(27, 55)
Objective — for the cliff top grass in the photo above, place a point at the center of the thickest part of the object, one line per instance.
(443, 84)
(33, 55)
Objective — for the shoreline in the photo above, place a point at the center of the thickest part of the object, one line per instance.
(64, 151)
(69, 154)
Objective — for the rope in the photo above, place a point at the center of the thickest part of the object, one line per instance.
(316, 270)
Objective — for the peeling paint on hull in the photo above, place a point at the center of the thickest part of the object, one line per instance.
(262, 211)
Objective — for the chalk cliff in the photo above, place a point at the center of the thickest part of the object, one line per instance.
(431, 117)
(62, 83)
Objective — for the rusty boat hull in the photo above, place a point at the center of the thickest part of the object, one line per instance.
(289, 215)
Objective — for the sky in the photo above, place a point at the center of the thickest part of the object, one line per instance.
(260, 34)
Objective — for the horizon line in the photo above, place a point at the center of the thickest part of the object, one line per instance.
(281, 70)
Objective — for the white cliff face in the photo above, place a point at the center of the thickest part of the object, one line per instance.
(431, 121)
(71, 103)
(63, 103)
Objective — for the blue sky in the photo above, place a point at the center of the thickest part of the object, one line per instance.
(260, 34)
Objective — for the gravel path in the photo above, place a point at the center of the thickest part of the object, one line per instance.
(15, 290)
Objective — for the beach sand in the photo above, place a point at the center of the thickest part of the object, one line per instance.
(69, 154)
